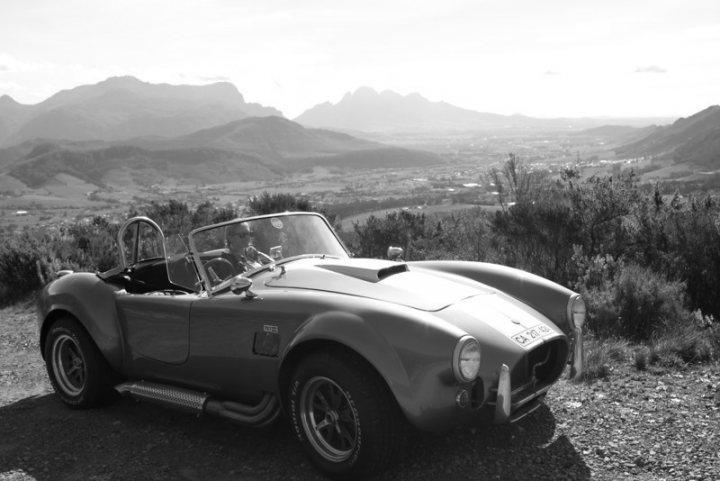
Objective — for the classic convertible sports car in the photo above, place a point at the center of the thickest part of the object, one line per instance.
(253, 317)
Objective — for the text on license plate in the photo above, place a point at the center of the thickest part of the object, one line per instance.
(531, 335)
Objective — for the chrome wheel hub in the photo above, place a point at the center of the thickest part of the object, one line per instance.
(328, 419)
(68, 365)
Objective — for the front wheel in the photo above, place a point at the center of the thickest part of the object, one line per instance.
(79, 374)
(345, 416)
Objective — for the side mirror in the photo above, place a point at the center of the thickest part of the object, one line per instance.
(241, 284)
(395, 253)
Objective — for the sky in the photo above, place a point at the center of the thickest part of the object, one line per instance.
(543, 58)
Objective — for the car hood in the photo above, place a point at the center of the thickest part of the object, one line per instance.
(377, 279)
(503, 322)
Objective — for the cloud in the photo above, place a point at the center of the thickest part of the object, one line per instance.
(650, 69)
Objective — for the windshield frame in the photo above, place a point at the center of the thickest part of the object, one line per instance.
(207, 284)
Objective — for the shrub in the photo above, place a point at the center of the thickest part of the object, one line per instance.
(694, 340)
(641, 357)
(404, 229)
(21, 266)
(634, 303)
(601, 355)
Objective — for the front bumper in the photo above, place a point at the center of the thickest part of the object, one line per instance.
(578, 359)
(513, 405)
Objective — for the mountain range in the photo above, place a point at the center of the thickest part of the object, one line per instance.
(366, 110)
(125, 107)
(121, 108)
(154, 132)
(123, 127)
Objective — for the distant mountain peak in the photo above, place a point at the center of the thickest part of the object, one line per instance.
(7, 101)
(367, 110)
(122, 81)
(124, 107)
(364, 90)
(366, 93)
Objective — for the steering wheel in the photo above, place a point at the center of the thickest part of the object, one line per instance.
(219, 269)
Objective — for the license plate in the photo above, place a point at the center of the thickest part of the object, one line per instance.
(530, 336)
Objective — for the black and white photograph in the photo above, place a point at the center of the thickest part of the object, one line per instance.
(381, 240)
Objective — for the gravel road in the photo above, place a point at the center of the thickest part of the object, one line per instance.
(652, 425)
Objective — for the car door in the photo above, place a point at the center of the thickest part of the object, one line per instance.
(154, 317)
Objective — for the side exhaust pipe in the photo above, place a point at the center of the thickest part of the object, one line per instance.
(186, 400)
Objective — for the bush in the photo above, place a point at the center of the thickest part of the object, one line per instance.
(21, 264)
(404, 229)
(695, 340)
(601, 355)
(634, 303)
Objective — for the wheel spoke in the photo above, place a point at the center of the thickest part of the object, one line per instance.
(320, 402)
(330, 436)
(336, 397)
(80, 377)
(347, 440)
(74, 354)
(322, 425)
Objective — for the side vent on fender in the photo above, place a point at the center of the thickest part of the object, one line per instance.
(267, 342)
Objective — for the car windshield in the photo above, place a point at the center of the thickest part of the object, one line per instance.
(225, 250)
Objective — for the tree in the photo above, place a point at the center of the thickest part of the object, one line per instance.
(267, 203)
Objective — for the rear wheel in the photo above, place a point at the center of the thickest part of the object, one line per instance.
(78, 372)
(345, 416)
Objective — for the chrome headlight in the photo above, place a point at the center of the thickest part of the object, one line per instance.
(576, 311)
(466, 359)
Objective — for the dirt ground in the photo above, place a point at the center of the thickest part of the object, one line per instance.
(659, 425)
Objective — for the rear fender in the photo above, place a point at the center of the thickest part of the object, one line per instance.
(91, 301)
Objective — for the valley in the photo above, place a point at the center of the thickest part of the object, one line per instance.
(458, 179)
(108, 148)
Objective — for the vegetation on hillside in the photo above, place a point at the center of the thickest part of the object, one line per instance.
(648, 264)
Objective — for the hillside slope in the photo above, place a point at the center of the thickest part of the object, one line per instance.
(249, 149)
(695, 139)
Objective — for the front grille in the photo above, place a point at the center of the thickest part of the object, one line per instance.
(541, 366)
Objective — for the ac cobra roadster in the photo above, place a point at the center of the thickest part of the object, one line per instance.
(255, 317)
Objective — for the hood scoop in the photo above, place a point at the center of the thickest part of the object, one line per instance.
(367, 273)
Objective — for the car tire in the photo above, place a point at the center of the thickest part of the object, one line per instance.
(345, 416)
(78, 372)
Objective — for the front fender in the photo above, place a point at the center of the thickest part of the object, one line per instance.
(411, 350)
(353, 332)
(91, 301)
(547, 297)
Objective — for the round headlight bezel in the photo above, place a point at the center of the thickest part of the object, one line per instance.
(577, 311)
(466, 359)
